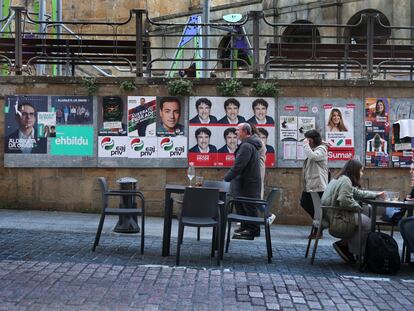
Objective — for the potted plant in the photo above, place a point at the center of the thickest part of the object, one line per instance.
(229, 88)
(180, 87)
(128, 85)
(269, 88)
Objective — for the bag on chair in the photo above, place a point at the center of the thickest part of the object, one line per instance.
(381, 254)
(342, 224)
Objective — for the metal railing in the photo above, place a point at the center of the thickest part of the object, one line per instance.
(252, 47)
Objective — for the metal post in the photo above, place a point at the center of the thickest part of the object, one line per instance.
(139, 45)
(57, 17)
(18, 60)
(41, 69)
(256, 16)
(205, 52)
(370, 45)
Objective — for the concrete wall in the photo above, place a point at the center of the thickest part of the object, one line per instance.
(76, 189)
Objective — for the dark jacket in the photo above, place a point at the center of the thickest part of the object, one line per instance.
(245, 173)
(269, 120)
(224, 120)
(39, 145)
(196, 148)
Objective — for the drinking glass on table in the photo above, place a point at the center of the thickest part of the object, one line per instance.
(199, 181)
(191, 173)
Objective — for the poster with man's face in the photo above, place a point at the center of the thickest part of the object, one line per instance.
(21, 122)
(170, 116)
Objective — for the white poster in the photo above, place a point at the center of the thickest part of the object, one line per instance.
(172, 147)
(288, 128)
(142, 147)
(305, 124)
(339, 127)
(112, 146)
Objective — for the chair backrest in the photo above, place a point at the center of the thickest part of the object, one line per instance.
(104, 188)
(316, 200)
(200, 202)
(222, 185)
(407, 232)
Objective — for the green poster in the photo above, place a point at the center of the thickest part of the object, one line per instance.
(73, 141)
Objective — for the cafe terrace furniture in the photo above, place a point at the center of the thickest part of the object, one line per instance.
(322, 224)
(408, 205)
(407, 232)
(200, 208)
(317, 217)
(120, 211)
(168, 215)
(263, 208)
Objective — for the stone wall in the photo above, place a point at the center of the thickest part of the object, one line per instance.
(76, 189)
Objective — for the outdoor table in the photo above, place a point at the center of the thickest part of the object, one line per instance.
(409, 205)
(127, 224)
(168, 208)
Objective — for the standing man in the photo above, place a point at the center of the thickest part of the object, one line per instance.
(245, 178)
(170, 111)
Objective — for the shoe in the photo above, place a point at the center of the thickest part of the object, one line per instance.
(343, 252)
(248, 233)
(271, 218)
(243, 237)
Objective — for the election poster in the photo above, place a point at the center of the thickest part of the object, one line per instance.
(212, 128)
(112, 116)
(142, 116)
(71, 110)
(22, 126)
(377, 132)
(339, 131)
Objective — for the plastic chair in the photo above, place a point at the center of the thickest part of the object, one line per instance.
(323, 223)
(317, 216)
(106, 193)
(200, 208)
(407, 232)
(263, 207)
(224, 188)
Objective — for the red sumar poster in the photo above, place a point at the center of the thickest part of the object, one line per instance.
(377, 129)
(339, 131)
(212, 128)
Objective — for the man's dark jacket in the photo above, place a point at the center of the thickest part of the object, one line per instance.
(245, 173)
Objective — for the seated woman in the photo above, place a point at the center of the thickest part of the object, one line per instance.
(343, 193)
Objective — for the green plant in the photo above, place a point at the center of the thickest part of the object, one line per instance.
(180, 87)
(229, 87)
(128, 85)
(266, 88)
(89, 83)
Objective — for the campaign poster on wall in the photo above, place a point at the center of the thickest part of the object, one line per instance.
(142, 114)
(73, 109)
(21, 124)
(170, 116)
(172, 147)
(46, 124)
(377, 131)
(112, 115)
(402, 138)
(112, 146)
(73, 141)
(212, 127)
(142, 147)
(339, 131)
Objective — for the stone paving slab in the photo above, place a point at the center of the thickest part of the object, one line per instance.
(46, 263)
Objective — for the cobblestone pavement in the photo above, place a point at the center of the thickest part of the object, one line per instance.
(56, 270)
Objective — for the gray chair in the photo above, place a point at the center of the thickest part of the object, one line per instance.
(200, 208)
(317, 216)
(324, 224)
(106, 210)
(263, 207)
(407, 232)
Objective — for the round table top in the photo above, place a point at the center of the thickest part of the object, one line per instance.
(126, 180)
